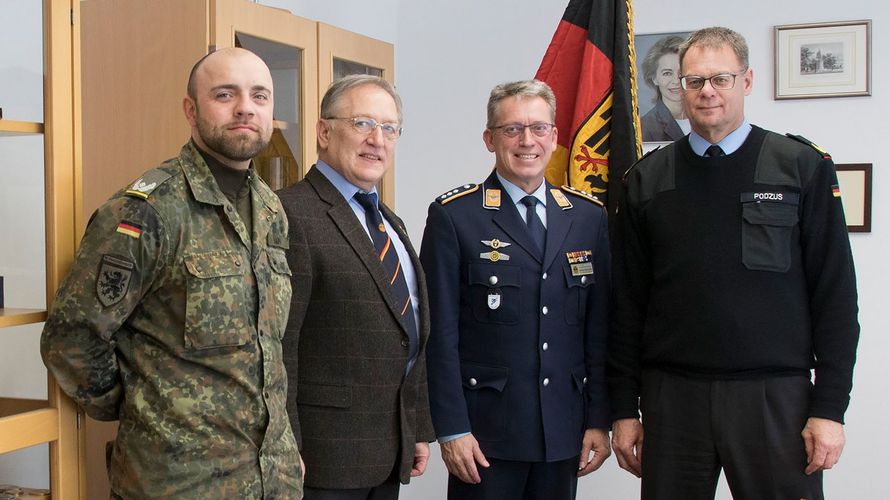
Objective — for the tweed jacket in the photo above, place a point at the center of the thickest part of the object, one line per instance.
(354, 411)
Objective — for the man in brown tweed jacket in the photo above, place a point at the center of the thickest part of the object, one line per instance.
(359, 321)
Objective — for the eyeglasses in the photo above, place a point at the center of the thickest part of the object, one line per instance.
(365, 125)
(723, 81)
(514, 129)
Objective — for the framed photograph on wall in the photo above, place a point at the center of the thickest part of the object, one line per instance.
(658, 87)
(823, 60)
(855, 190)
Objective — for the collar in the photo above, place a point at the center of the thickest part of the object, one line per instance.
(728, 144)
(344, 187)
(517, 194)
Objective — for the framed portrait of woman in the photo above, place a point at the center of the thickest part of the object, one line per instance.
(658, 86)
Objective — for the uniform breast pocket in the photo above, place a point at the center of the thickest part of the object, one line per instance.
(279, 287)
(216, 294)
(767, 228)
(495, 293)
(578, 287)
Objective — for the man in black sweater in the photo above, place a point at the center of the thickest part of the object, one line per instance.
(735, 280)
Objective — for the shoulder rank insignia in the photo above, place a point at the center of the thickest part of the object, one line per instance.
(560, 199)
(456, 193)
(800, 138)
(581, 194)
(148, 183)
(492, 200)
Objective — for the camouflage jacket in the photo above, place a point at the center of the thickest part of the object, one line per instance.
(171, 321)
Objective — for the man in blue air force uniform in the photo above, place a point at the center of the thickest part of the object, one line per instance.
(518, 275)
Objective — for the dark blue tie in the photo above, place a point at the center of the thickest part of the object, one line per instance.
(714, 151)
(535, 226)
(391, 266)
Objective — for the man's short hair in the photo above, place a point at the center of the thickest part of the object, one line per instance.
(190, 89)
(340, 87)
(714, 38)
(522, 88)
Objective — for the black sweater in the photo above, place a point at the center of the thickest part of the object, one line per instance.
(737, 267)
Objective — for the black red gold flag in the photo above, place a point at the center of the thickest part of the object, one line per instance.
(590, 65)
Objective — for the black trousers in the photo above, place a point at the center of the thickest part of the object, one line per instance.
(510, 480)
(389, 490)
(749, 428)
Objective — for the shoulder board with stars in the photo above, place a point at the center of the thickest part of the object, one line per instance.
(456, 193)
(146, 184)
(800, 138)
(581, 194)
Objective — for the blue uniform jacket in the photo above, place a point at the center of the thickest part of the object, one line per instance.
(517, 346)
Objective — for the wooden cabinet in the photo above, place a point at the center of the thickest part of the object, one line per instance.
(27, 422)
(134, 81)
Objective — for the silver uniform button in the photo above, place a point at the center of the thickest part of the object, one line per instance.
(585, 380)
(473, 382)
(544, 276)
(546, 382)
(492, 280)
(545, 346)
(583, 279)
(544, 310)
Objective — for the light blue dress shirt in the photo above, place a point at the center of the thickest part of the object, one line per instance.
(729, 144)
(517, 194)
(348, 190)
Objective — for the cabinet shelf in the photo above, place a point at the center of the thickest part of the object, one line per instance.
(12, 127)
(23, 430)
(15, 317)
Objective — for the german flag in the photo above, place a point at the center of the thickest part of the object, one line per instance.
(590, 65)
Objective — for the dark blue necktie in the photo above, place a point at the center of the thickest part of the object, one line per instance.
(391, 266)
(533, 222)
(714, 150)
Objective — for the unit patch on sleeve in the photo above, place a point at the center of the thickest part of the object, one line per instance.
(113, 279)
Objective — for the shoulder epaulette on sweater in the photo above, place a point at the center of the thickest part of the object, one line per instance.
(800, 138)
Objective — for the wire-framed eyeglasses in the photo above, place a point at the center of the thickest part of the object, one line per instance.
(722, 81)
(540, 129)
(365, 125)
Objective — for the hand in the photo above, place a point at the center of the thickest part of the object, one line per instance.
(597, 441)
(461, 455)
(824, 442)
(421, 458)
(627, 441)
(302, 468)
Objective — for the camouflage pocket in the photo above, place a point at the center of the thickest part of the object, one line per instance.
(216, 294)
(279, 286)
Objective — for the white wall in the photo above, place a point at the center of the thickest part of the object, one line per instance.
(449, 55)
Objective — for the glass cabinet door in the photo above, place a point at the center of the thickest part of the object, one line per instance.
(288, 45)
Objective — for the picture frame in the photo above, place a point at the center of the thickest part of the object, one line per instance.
(654, 131)
(823, 60)
(855, 184)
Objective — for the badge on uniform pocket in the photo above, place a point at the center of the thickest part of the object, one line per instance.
(580, 263)
(494, 299)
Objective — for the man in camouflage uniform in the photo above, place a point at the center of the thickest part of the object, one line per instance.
(172, 317)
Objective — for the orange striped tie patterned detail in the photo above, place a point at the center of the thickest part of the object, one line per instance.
(407, 303)
(396, 274)
(385, 248)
